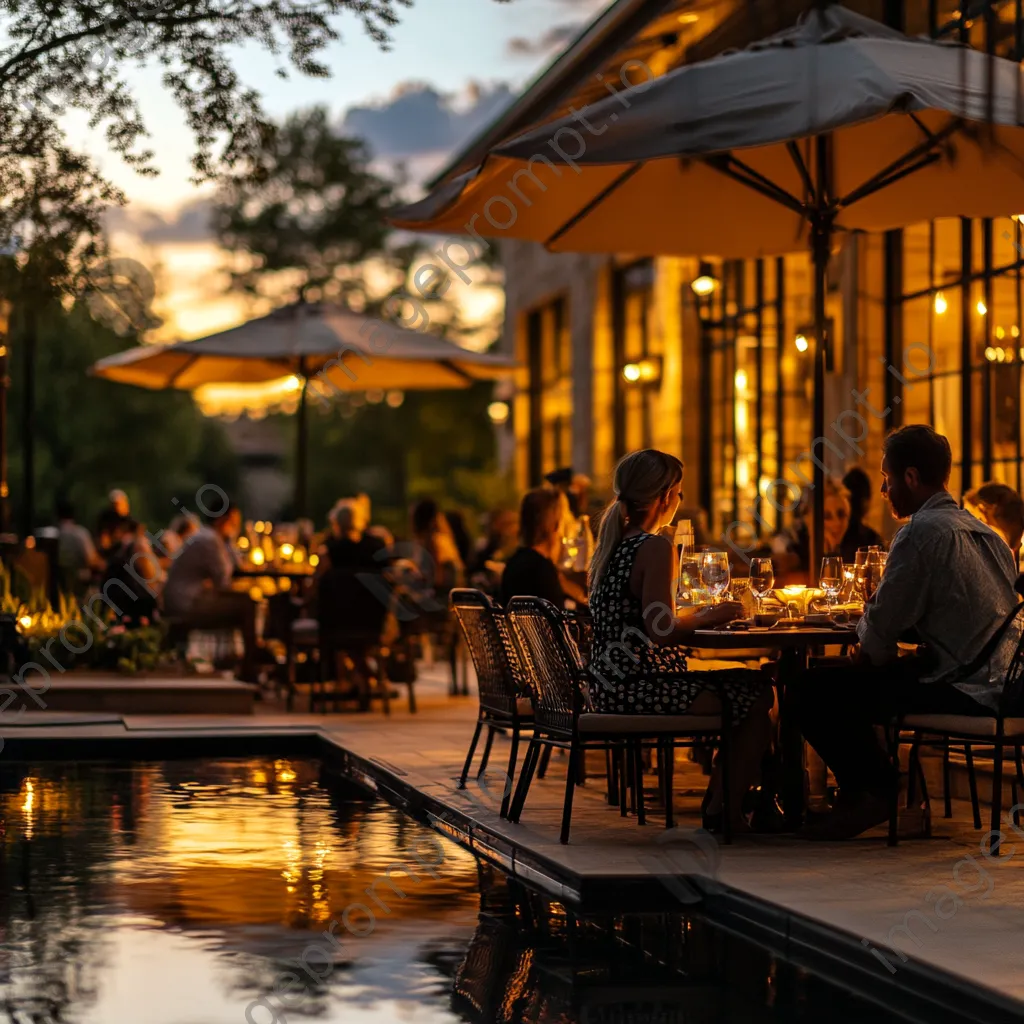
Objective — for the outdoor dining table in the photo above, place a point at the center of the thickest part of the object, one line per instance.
(794, 644)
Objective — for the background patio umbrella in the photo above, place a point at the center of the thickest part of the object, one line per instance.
(839, 123)
(331, 348)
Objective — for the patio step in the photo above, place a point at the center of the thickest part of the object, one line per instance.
(146, 696)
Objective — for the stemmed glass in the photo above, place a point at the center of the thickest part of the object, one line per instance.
(762, 579)
(715, 572)
(831, 578)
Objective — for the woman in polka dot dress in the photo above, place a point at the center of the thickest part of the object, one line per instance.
(638, 665)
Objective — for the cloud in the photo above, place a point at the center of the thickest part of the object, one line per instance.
(190, 222)
(558, 37)
(418, 121)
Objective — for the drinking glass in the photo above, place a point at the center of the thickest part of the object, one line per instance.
(831, 578)
(869, 570)
(714, 571)
(762, 579)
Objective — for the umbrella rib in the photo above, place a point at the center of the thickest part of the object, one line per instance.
(187, 365)
(594, 203)
(801, 166)
(746, 175)
(899, 167)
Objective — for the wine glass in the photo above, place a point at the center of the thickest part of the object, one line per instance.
(762, 579)
(714, 571)
(831, 578)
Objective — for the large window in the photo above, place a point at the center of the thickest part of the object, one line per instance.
(755, 378)
(632, 309)
(961, 345)
(549, 353)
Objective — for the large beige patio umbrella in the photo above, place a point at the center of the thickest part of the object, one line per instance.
(328, 348)
(837, 124)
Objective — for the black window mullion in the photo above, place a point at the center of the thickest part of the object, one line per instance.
(780, 398)
(759, 333)
(988, 369)
(966, 393)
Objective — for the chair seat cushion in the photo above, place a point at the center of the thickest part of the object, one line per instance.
(964, 725)
(596, 722)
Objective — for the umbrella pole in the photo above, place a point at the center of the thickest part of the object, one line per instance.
(301, 446)
(822, 243)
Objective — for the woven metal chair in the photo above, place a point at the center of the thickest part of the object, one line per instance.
(563, 716)
(505, 704)
(1001, 728)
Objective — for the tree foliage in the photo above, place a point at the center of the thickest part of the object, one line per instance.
(306, 206)
(92, 435)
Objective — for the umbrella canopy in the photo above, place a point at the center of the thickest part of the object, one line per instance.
(328, 347)
(839, 123)
(714, 159)
(351, 352)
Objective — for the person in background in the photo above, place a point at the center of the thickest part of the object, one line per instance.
(463, 541)
(438, 557)
(1001, 508)
(77, 557)
(349, 545)
(119, 504)
(177, 533)
(792, 548)
(134, 565)
(858, 533)
(532, 571)
(500, 542)
(198, 587)
(948, 581)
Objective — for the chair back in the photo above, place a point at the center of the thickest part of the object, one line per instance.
(1008, 661)
(347, 608)
(553, 661)
(581, 629)
(500, 677)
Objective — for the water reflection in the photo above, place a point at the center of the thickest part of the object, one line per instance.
(192, 892)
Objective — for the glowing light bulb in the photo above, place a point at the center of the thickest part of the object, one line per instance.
(704, 285)
(802, 344)
(940, 303)
(981, 308)
(631, 371)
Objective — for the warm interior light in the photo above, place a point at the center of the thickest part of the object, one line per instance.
(741, 380)
(802, 344)
(1015, 331)
(990, 354)
(259, 526)
(1000, 333)
(498, 412)
(286, 550)
(940, 303)
(243, 543)
(25, 621)
(293, 383)
(647, 371)
(256, 594)
(631, 371)
(981, 308)
(314, 560)
(688, 19)
(704, 285)
(257, 556)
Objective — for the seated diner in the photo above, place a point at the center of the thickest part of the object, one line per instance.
(638, 663)
(949, 585)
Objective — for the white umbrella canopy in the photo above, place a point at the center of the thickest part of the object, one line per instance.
(327, 347)
(349, 351)
(838, 123)
(716, 158)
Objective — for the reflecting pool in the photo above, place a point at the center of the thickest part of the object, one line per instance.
(260, 890)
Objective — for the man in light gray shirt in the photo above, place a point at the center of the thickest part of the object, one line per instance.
(948, 585)
(197, 588)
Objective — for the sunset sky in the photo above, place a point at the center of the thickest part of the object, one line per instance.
(413, 105)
